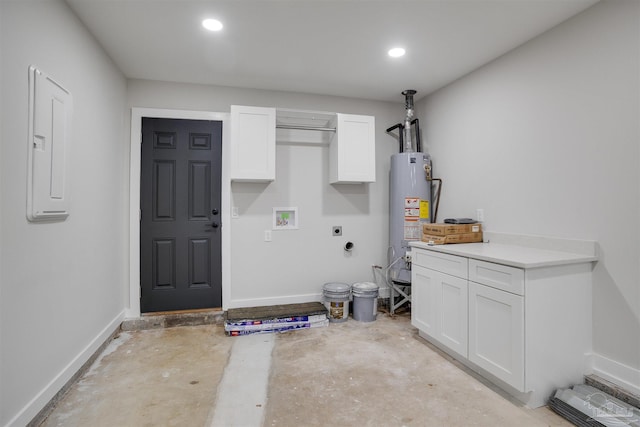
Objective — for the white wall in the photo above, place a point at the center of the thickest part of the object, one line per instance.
(63, 284)
(296, 264)
(1, 209)
(546, 140)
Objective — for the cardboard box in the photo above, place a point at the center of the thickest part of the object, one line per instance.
(452, 238)
(278, 327)
(440, 229)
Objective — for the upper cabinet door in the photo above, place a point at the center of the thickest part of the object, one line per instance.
(353, 150)
(253, 144)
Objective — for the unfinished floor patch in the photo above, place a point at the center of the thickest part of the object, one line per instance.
(158, 377)
(242, 393)
(380, 374)
(348, 374)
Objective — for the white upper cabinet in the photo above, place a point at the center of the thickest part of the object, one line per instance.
(352, 153)
(253, 144)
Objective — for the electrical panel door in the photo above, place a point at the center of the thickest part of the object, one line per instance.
(50, 110)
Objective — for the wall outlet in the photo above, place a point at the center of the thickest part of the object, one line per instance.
(267, 235)
(480, 215)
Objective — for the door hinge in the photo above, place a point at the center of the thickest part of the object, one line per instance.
(140, 138)
(139, 214)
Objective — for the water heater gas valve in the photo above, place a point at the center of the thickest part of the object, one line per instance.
(427, 171)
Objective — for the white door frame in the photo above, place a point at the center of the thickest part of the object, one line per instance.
(133, 309)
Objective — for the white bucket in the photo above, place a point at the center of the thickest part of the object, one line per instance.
(336, 299)
(365, 301)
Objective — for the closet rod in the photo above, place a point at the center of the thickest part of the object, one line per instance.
(296, 127)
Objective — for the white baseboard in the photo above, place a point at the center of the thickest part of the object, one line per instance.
(31, 409)
(257, 302)
(293, 299)
(622, 375)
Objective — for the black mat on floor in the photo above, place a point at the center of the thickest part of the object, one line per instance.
(274, 311)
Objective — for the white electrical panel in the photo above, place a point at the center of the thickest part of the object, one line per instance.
(50, 111)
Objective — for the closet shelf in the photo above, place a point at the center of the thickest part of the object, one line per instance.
(304, 127)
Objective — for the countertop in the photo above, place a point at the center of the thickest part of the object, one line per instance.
(521, 251)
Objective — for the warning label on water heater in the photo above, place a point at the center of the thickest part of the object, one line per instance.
(424, 209)
(412, 215)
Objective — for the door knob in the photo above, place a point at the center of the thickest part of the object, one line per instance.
(215, 225)
(215, 211)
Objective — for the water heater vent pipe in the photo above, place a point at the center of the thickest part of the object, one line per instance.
(408, 106)
(405, 135)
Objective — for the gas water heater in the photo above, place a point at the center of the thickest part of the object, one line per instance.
(410, 194)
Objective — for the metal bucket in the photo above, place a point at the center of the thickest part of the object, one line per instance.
(365, 301)
(336, 299)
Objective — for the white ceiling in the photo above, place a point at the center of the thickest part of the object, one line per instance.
(316, 46)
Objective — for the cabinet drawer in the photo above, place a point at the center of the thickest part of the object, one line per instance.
(497, 276)
(445, 263)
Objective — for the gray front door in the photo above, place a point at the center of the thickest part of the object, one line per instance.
(180, 214)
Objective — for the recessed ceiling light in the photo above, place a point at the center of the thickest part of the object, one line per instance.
(212, 24)
(396, 52)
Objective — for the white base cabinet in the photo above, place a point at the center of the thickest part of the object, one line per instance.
(444, 316)
(423, 315)
(526, 329)
(496, 333)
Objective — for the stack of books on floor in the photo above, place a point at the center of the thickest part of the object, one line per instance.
(277, 318)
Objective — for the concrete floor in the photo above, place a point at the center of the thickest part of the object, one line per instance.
(352, 374)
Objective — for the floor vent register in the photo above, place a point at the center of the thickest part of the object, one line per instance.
(277, 318)
(587, 406)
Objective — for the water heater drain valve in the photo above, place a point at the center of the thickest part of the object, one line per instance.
(407, 257)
